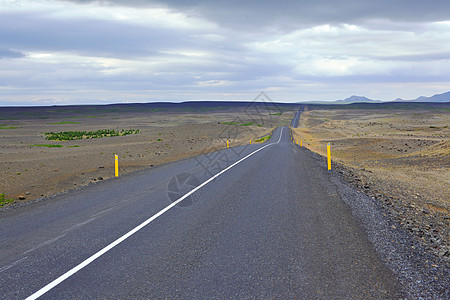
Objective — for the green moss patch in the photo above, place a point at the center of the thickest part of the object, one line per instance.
(78, 135)
(4, 200)
(263, 139)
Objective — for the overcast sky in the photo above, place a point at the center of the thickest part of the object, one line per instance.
(79, 52)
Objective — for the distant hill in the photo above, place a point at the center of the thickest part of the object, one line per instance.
(438, 98)
(357, 99)
(383, 105)
(444, 97)
(349, 100)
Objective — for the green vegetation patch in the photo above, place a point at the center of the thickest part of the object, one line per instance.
(8, 127)
(248, 124)
(263, 139)
(276, 114)
(230, 123)
(78, 135)
(64, 122)
(74, 146)
(4, 200)
(48, 146)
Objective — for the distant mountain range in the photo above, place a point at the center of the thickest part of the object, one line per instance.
(354, 99)
(349, 100)
(445, 97)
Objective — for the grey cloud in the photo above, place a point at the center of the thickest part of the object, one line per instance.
(438, 55)
(379, 80)
(86, 37)
(183, 58)
(7, 53)
(294, 13)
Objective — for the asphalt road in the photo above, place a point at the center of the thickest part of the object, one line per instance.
(296, 118)
(270, 226)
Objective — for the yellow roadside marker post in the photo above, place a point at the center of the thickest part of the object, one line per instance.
(116, 164)
(301, 143)
(250, 142)
(329, 156)
(228, 144)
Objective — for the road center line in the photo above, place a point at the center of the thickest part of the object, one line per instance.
(86, 262)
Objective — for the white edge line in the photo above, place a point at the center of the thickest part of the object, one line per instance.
(86, 262)
(12, 264)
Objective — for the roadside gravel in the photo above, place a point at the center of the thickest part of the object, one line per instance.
(394, 230)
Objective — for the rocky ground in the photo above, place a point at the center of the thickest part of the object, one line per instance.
(400, 158)
(30, 172)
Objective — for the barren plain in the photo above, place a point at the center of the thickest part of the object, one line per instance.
(398, 155)
(33, 167)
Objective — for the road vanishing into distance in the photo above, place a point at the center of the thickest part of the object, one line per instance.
(296, 118)
(255, 221)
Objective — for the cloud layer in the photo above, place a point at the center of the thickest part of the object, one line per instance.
(66, 52)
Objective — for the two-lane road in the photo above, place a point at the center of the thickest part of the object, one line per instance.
(268, 225)
(296, 118)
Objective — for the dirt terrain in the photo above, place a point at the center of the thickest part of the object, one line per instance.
(166, 133)
(399, 156)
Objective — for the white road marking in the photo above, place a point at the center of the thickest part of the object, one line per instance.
(281, 134)
(13, 264)
(103, 212)
(86, 262)
(45, 243)
(79, 224)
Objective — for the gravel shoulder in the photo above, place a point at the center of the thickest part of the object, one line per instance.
(399, 162)
(422, 274)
